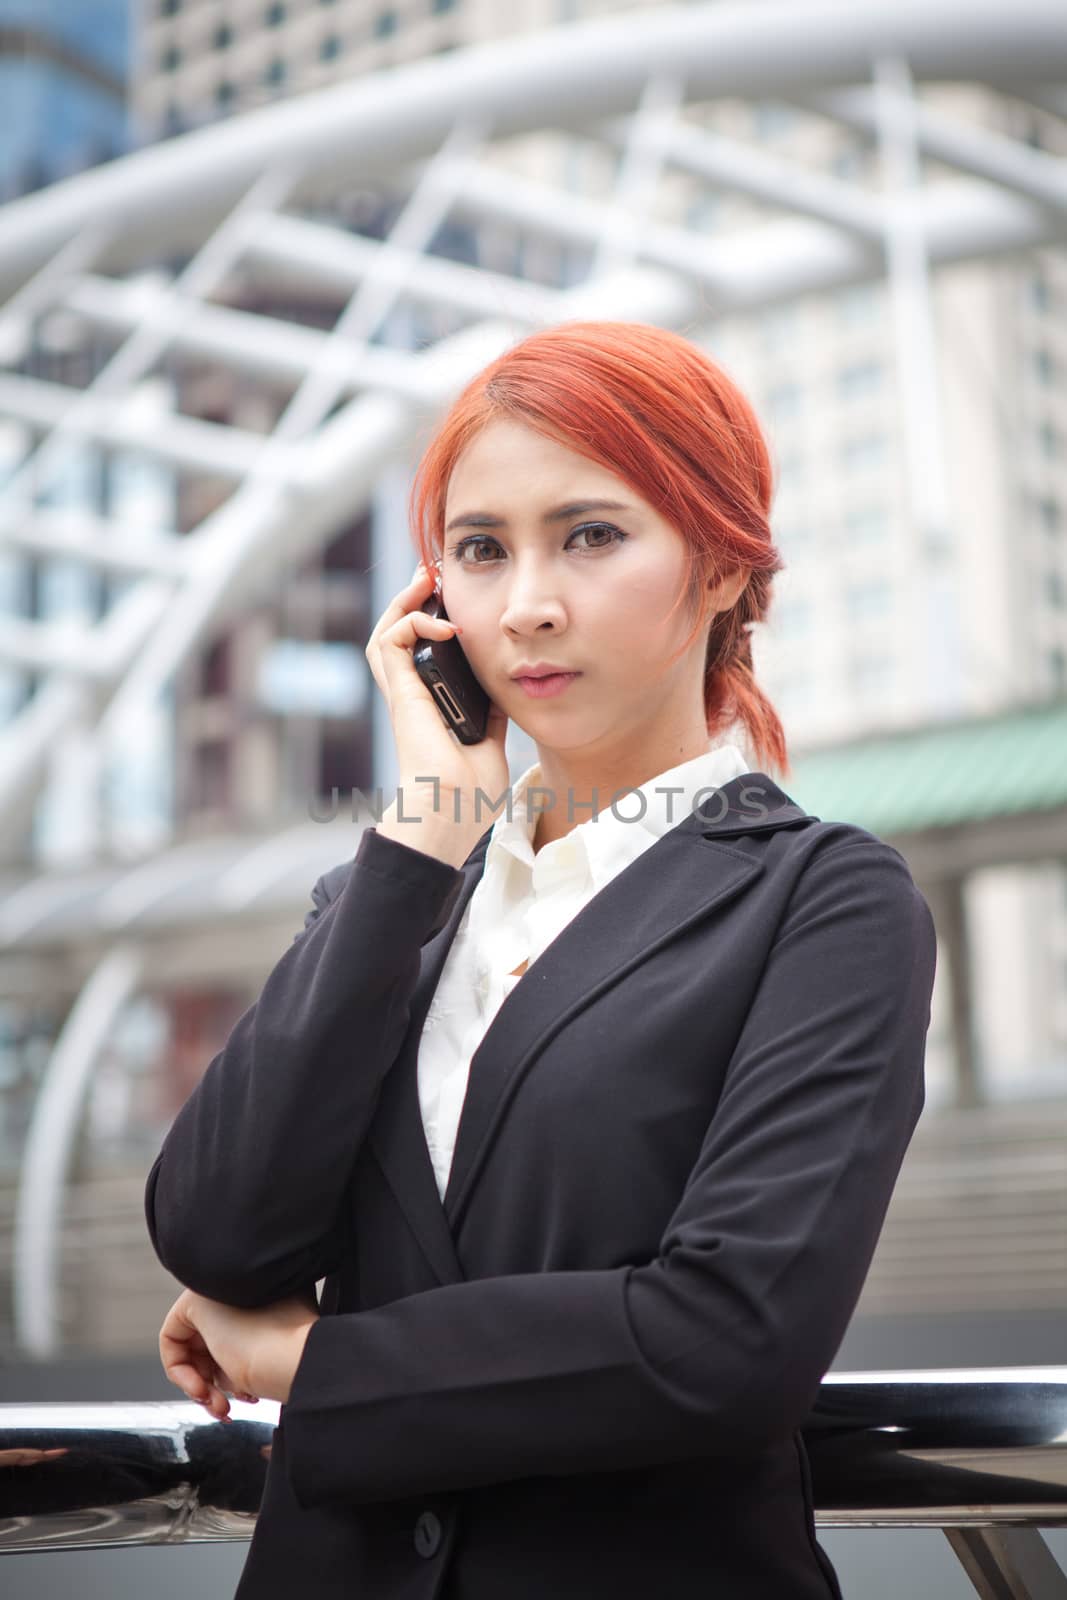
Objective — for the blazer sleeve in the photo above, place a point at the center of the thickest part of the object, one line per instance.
(719, 1344)
(245, 1202)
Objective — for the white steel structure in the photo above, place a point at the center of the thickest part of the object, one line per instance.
(251, 199)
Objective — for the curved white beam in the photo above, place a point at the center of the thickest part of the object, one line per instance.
(239, 549)
(745, 169)
(26, 744)
(57, 1112)
(185, 441)
(321, 257)
(262, 346)
(98, 541)
(285, 352)
(51, 646)
(565, 78)
(773, 260)
(1034, 174)
(260, 529)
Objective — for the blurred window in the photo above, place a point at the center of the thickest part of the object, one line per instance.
(871, 676)
(867, 450)
(1050, 513)
(1044, 366)
(858, 305)
(784, 401)
(211, 775)
(860, 379)
(866, 524)
(865, 600)
(1040, 293)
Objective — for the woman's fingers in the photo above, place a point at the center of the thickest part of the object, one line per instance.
(189, 1378)
(190, 1365)
(226, 1385)
(186, 1359)
(413, 626)
(419, 585)
(402, 604)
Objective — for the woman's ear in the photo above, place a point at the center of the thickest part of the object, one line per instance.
(726, 591)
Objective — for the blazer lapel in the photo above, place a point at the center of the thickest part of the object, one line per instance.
(649, 903)
(397, 1133)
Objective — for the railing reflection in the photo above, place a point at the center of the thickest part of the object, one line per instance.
(980, 1453)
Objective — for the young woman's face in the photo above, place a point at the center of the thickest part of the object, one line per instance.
(548, 577)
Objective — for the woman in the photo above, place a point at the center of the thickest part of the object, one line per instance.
(593, 1222)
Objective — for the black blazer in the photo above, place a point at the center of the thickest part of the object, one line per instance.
(584, 1374)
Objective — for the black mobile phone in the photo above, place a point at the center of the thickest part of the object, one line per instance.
(446, 672)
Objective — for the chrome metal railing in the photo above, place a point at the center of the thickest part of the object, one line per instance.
(980, 1453)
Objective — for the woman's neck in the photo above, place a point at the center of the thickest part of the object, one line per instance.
(571, 795)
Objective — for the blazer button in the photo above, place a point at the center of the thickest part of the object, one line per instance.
(427, 1534)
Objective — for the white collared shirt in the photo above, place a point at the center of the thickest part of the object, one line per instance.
(522, 902)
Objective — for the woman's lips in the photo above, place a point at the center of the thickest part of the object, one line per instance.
(544, 688)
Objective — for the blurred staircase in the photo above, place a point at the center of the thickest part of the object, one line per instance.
(978, 1223)
(978, 1220)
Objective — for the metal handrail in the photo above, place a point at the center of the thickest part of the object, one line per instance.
(979, 1452)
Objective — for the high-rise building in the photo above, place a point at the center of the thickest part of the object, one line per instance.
(201, 59)
(63, 74)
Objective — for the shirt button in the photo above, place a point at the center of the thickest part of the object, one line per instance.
(427, 1534)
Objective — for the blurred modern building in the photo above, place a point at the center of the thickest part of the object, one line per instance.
(202, 59)
(920, 438)
(63, 83)
(878, 262)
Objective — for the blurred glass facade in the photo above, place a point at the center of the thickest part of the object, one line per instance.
(63, 83)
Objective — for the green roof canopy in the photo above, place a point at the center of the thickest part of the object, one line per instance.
(942, 775)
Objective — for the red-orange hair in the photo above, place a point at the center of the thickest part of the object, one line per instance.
(654, 409)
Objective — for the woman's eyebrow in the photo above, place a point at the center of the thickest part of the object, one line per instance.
(574, 508)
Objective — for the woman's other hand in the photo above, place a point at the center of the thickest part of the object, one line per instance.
(438, 773)
(212, 1351)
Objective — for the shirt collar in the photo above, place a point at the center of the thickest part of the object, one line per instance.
(612, 839)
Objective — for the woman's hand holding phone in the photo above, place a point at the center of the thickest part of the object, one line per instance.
(438, 774)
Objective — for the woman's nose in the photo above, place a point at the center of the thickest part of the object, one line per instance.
(532, 600)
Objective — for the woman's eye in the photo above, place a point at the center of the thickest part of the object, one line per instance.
(470, 544)
(613, 535)
(599, 527)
